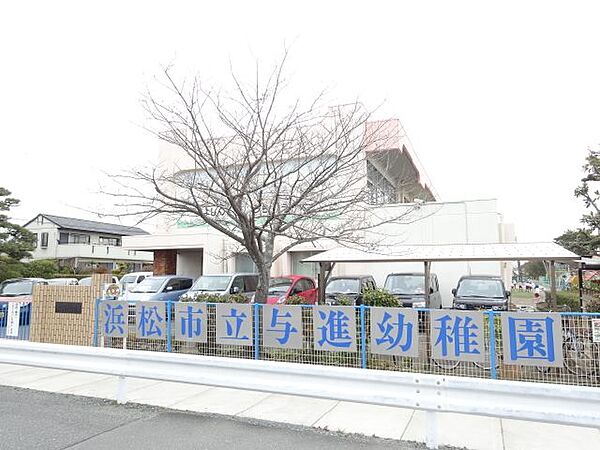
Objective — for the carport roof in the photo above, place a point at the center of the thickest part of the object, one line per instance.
(449, 252)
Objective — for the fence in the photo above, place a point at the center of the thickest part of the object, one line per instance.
(576, 339)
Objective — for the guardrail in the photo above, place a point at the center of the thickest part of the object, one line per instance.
(559, 404)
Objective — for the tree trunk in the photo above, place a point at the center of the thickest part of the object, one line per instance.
(263, 265)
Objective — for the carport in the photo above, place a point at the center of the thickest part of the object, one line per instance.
(428, 254)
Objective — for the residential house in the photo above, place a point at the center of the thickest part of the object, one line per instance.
(85, 244)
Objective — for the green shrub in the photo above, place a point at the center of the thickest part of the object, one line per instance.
(202, 297)
(344, 300)
(297, 300)
(214, 298)
(593, 305)
(41, 268)
(379, 297)
(569, 298)
(237, 298)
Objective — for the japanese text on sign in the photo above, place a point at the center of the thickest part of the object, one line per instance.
(532, 339)
(334, 328)
(191, 321)
(113, 316)
(457, 336)
(282, 326)
(234, 324)
(394, 331)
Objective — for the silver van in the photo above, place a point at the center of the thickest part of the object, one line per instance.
(225, 284)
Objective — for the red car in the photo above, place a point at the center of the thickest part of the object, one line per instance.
(281, 288)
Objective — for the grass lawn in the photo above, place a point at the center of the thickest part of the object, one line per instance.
(521, 294)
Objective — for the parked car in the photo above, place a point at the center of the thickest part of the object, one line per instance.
(351, 286)
(281, 288)
(128, 281)
(87, 281)
(159, 288)
(62, 281)
(481, 292)
(409, 289)
(225, 285)
(19, 289)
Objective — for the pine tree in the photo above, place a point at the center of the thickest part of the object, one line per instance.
(16, 242)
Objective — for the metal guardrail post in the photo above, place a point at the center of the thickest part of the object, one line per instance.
(431, 429)
(169, 328)
(96, 321)
(363, 339)
(492, 328)
(121, 390)
(256, 332)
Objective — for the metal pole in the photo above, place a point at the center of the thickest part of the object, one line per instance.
(122, 390)
(96, 320)
(256, 331)
(431, 429)
(363, 338)
(169, 321)
(553, 283)
(580, 286)
(492, 328)
(427, 265)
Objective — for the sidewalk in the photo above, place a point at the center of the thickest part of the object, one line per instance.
(472, 432)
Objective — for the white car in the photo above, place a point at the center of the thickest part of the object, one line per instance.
(62, 281)
(87, 281)
(130, 280)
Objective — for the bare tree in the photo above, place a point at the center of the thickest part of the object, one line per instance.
(268, 173)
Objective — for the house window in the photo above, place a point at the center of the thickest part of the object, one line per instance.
(44, 240)
(75, 238)
(63, 238)
(115, 241)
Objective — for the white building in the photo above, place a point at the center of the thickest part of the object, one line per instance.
(85, 244)
(395, 180)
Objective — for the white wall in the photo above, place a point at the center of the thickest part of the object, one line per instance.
(189, 263)
(475, 221)
(436, 223)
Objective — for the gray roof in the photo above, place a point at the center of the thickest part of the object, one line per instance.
(521, 251)
(91, 225)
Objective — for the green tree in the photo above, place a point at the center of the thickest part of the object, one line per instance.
(586, 241)
(16, 242)
(43, 268)
(581, 241)
(534, 269)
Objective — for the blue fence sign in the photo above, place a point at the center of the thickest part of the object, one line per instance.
(151, 320)
(234, 324)
(532, 339)
(457, 335)
(282, 326)
(334, 328)
(191, 321)
(113, 318)
(394, 331)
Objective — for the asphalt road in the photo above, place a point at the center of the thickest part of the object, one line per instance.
(41, 420)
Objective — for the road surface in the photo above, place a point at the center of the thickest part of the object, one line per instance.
(41, 420)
